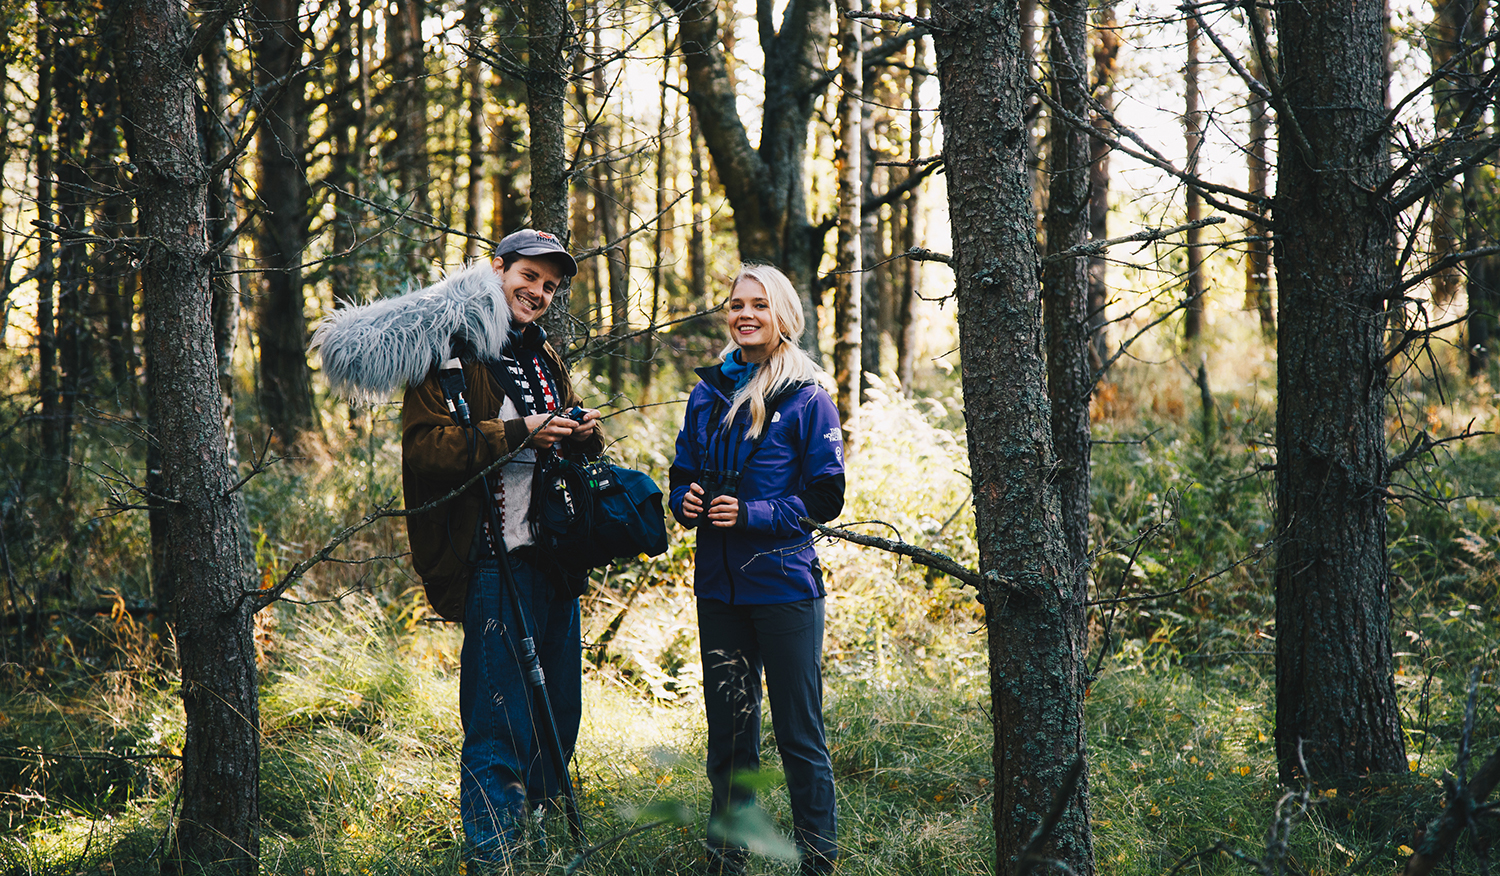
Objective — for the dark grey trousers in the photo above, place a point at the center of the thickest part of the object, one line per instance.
(786, 640)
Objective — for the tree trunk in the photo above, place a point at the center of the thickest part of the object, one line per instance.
(217, 827)
(1484, 300)
(1455, 25)
(113, 277)
(474, 127)
(1335, 267)
(765, 186)
(663, 223)
(549, 27)
(697, 251)
(46, 285)
(286, 398)
(848, 279)
(224, 281)
(406, 155)
(1106, 56)
(1192, 121)
(1065, 283)
(871, 279)
(345, 172)
(1258, 252)
(907, 338)
(1034, 612)
(73, 358)
(607, 212)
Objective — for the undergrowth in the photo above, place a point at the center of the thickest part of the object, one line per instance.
(359, 685)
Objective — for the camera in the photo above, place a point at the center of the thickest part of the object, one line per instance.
(576, 413)
(716, 484)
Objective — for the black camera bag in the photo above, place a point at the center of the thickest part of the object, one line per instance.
(590, 513)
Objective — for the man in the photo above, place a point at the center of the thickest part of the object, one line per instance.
(483, 319)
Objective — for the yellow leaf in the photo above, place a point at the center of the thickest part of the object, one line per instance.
(1406, 851)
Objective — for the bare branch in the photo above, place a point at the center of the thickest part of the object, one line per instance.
(926, 23)
(1424, 444)
(1255, 85)
(922, 556)
(1097, 247)
(1144, 597)
(1148, 154)
(918, 254)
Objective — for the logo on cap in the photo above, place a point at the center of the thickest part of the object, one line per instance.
(542, 235)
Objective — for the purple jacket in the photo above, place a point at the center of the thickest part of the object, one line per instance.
(795, 470)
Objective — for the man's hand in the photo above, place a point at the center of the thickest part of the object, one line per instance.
(586, 426)
(548, 429)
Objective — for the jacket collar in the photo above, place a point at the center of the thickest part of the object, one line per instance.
(720, 383)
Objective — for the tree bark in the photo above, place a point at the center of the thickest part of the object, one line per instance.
(765, 186)
(217, 827)
(1335, 268)
(848, 278)
(1034, 610)
(1065, 283)
(286, 398)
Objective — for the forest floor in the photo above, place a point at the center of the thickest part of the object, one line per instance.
(359, 686)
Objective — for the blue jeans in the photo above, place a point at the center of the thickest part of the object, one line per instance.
(786, 640)
(505, 763)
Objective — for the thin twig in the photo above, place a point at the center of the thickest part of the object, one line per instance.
(1097, 247)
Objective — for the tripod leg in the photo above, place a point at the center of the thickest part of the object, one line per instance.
(554, 743)
(538, 681)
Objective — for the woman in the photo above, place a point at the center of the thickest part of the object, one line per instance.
(760, 448)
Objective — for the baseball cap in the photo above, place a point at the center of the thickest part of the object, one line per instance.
(527, 242)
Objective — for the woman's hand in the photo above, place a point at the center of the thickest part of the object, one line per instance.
(724, 512)
(692, 503)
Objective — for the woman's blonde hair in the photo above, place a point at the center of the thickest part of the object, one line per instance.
(787, 364)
